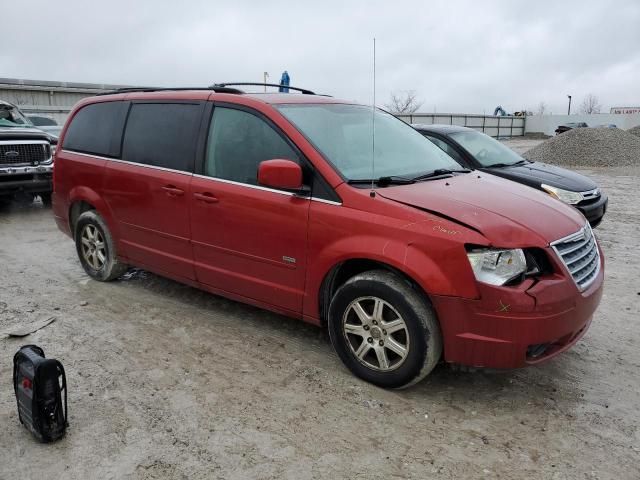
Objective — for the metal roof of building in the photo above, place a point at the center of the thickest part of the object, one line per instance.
(21, 83)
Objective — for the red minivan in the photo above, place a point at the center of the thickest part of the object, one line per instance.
(331, 212)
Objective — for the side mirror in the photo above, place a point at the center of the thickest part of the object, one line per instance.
(280, 174)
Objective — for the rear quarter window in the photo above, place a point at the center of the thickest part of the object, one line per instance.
(162, 135)
(97, 129)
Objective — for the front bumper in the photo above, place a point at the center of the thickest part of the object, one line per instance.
(35, 179)
(594, 211)
(511, 327)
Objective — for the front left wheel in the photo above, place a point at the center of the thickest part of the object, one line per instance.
(96, 248)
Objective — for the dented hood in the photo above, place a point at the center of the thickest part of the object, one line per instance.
(506, 213)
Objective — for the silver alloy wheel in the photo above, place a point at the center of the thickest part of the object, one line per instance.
(94, 250)
(376, 333)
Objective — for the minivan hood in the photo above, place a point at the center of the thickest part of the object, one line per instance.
(536, 173)
(506, 213)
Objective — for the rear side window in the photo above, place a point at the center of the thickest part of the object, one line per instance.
(97, 129)
(238, 142)
(162, 134)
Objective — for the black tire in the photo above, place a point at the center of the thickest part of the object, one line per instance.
(421, 330)
(109, 268)
(46, 199)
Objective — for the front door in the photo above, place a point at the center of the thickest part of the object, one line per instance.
(248, 240)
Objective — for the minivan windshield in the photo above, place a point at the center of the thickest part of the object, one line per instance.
(12, 117)
(486, 150)
(344, 135)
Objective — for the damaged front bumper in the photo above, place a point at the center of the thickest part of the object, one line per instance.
(511, 327)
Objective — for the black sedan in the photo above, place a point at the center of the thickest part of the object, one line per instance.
(473, 149)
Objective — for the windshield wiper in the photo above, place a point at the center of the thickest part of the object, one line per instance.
(500, 165)
(398, 180)
(383, 181)
(439, 172)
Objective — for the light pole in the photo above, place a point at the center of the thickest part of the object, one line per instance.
(569, 109)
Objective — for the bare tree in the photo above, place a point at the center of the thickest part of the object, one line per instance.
(542, 108)
(20, 99)
(590, 104)
(405, 102)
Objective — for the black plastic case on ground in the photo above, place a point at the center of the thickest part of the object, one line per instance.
(39, 383)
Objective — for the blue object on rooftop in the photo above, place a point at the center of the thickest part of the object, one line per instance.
(284, 82)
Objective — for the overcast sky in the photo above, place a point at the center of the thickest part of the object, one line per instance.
(459, 56)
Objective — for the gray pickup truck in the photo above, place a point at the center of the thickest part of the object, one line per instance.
(26, 156)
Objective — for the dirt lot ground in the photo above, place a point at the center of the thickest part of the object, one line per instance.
(166, 381)
(522, 144)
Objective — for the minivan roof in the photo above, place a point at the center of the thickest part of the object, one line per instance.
(204, 94)
(279, 98)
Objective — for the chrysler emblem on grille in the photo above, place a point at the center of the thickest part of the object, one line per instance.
(11, 154)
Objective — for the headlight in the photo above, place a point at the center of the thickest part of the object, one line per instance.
(497, 267)
(566, 196)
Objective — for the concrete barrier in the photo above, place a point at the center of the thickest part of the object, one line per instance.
(548, 123)
(502, 127)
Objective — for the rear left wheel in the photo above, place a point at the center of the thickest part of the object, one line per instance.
(96, 248)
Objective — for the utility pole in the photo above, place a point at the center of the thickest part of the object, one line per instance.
(266, 75)
(569, 109)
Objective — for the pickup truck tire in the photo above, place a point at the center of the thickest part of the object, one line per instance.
(96, 249)
(46, 199)
(384, 330)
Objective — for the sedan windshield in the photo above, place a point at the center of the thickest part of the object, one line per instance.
(486, 150)
(344, 135)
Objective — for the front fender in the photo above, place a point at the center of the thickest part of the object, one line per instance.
(438, 265)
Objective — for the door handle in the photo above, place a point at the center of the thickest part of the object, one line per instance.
(205, 197)
(173, 191)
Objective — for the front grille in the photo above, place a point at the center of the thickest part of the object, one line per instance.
(24, 153)
(579, 253)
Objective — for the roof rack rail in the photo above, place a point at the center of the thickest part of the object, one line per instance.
(301, 90)
(215, 88)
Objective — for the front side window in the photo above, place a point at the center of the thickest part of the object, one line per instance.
(97, 129)
(238, 142)
(344, 135)
(162, 135)
(486, 150)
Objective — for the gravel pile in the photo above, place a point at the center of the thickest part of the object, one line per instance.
(635, 130)
(589, 147)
